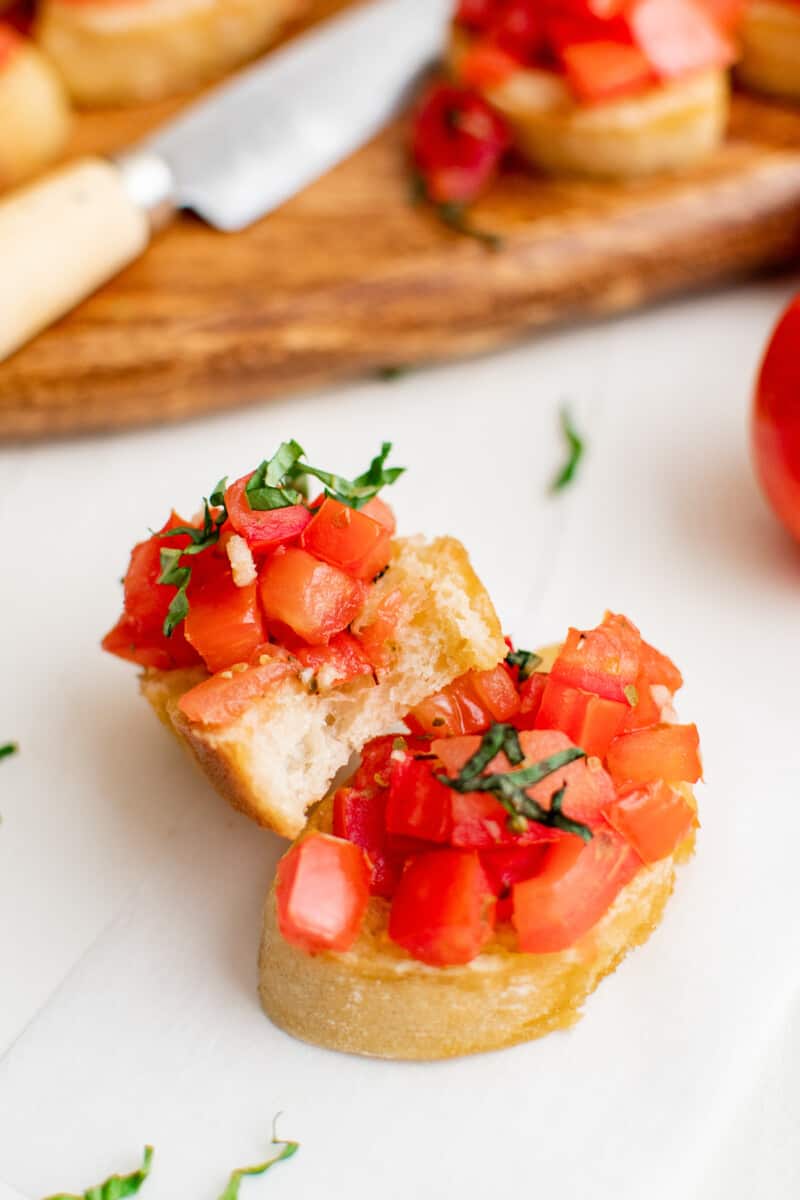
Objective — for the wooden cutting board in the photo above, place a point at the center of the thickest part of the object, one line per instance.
(349, 277)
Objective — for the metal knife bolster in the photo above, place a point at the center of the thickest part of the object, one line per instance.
(150, 184)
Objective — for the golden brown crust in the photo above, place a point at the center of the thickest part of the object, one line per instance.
(770, 44)
(666, 128)
(375, 1000)
(448, 627)
(131, 51)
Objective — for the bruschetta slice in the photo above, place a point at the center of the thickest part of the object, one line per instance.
(638, 89)
(279, 635)
(34, 113)
(121, 52)
(481, 874)
(770, 45)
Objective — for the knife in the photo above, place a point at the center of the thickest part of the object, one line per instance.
(230, 158)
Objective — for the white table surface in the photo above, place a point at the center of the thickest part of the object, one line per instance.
(130, 895)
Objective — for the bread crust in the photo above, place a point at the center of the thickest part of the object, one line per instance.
(34, 115)
(770, 43)
(448, 626)
(666, 128)
(131, 51)
(378, 1002)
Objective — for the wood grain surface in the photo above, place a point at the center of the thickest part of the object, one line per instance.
(349, 277)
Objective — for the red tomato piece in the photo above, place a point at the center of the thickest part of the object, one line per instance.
(149, 648)
(478, 14)
(655, 819)
(263, 531)
(776, 421)
(496, 692)
(590, 721)
(574, 889)
(224, 622)
(340, 661)
(530, 700)
(457, 143)
(678, 36)
(377, 637)
(479, 822)
(147, 600)
(601, 71)
(348, 539)
(360, 817)
(322, 892)
(588, 786)
(485, 65)
(518, 29)
(381, 512)
(226, 695)
(658, 669)
(443, 910)
(453, 712)
(604, 660)
(507, 865)
(668, 752)
(313, 598)
(418, 805)
(376, 758)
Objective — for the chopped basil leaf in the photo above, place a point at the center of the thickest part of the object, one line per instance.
(575, 447)
(175, 575)
(8, 749)
(289, 1149)
(354, 492)
(115, 1188)
(525, 660)
(266, 489)
(510, 788)
(217, 497)
(454, 216)
(632, 695)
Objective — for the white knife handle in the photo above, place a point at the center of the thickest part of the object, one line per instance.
(63, 237)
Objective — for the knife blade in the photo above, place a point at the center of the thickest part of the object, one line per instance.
(232, 157)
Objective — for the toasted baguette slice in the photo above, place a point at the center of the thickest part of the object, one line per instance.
(770, 43)
(281, 755)
(130, 51)
(666, 128)
(377, 1001)
(34, 113)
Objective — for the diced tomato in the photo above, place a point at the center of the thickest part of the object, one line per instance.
(775, 430)
(340, 661)
(590, 721)
(507, 865)
(573, 890)
(226, 695)
(654, 818)
(479, 822)
(603, 660)
(349, 539)
(224, 622)
(519, 30)
(458, 141)
(418, 805)
(360, 816)
(313, 598)
(381, 512)
(678, 36)
(668, 752)
(149, 648)
(322, 892)
(496, 692)
(147, 600)
(443, 910)
(263, 531)
(656, 668)
(600, 71)
(530, 700)
(453, 712)
(377, 637)
(645, 711)
(477, 14)
(588, 786)
(485, 65)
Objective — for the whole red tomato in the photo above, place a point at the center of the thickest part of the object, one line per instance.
(776, 420)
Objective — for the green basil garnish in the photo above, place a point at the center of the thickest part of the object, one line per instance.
(575, 451)
(525, 661)
(117, 1187)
